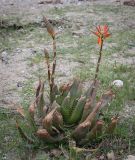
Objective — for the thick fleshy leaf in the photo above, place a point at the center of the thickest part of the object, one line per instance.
(44, 134)
(23, 135)
(38, 88)
(65, 108)
(82, 129)
(95, 132)
(64, 91)
(91, 97)
(53, 121)
(40, 100)
(20, 110)
(32, 110)
(65, 88)
(112, 125)
(74, 88)
(48, 121)
(57, 120)
(77, 112)
(107, 98)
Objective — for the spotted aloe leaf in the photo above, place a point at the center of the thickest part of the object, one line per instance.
(23, 135)
(44, 135)
(57, 120)
(40, 100)
(38, 88)
(91, 88)
(75, 93)
(111, 127)
(21, 111)
(48, 122)
(32, 110)
(74, 88)
(65, 108)
(91, 97)
(63, 92)
(82, 129)
(77, 112)
(65, 88)
(94, 133)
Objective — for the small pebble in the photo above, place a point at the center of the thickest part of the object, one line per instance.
(110, 155)
(4, 57)
(19, 84)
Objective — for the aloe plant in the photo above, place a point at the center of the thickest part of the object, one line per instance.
(71, 111)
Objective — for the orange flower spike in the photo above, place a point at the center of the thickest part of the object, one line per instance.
(101, 33)
(106, 33)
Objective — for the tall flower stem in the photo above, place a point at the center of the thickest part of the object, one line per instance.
(54, 61)
(52, 83)
(99, 61)
(98, 66)
(102, 32)
(48, 65)
(51, 74)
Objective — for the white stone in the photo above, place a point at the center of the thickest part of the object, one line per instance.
(130, 157)
(110, 155)
(117, 83)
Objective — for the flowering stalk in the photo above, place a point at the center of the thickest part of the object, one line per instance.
(99, 60)
(48, 65)
(51, 74)
(102, 32)
(54, 62)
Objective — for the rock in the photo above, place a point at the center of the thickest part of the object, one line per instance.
(50, 2)
(20, 84)
(110, 155)
(45, 2)
(78, 33)
(117, 83)
(4, 57)
(130, 157)
(33, 52)
(102, 157)
(129, 3)
(55, 152)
